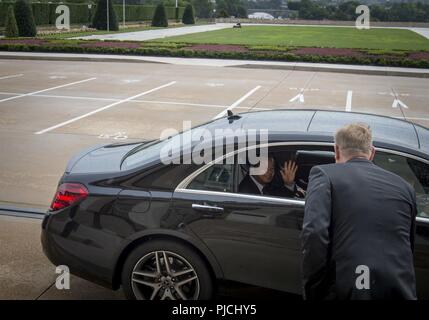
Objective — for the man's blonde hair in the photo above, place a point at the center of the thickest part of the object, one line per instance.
(354, 138)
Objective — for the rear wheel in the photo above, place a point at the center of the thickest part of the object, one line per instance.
(165, 270)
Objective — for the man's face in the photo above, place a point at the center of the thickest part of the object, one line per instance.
(268, 176)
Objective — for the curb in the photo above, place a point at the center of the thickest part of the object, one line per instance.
(374, 72)
(84, 59)
(297, 66)
(22, 212)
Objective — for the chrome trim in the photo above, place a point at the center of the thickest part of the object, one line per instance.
(422, 219)
(399, 153)
(181, 187)
(185, 182)
(208, 208)
(246, 196)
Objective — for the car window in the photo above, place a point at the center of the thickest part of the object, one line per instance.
(413, 171)
(218, 177)
(304, 157)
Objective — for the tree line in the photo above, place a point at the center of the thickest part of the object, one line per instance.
(20, 20)
(405, 11)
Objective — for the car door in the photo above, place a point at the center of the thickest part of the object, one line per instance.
(255, 238)
(416, 172)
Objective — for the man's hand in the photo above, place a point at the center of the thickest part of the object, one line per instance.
(288, 172)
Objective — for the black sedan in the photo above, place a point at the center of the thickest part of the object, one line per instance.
(122, 217)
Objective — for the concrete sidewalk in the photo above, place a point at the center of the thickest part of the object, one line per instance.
(299, 66)
(157, 33)
(422, 31)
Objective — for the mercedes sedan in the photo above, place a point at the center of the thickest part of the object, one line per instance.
(121, 217)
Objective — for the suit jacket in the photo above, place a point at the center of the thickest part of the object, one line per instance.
(247, 185)
(358, 214)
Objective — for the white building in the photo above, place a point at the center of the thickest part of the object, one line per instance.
(261, 15)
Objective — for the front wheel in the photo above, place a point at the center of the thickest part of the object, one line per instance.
(166, 270)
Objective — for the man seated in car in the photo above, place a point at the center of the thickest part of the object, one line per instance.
(263, 184)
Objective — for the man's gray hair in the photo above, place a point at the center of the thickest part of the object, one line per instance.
(354, 138)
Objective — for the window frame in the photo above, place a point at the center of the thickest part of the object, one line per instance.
(182, 186)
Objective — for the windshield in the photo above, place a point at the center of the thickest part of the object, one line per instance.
(169, 147)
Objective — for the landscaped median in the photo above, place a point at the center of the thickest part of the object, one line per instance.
(398, 58)
(381, 47)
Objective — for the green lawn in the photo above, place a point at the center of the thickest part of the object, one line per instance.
(333, 37)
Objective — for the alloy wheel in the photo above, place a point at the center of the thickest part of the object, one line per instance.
(164, 275)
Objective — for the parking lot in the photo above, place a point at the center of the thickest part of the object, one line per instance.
(49, 110)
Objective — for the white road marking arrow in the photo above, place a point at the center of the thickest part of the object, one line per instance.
(398, 103)
(299, 97)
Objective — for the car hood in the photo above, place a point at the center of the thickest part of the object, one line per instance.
(101, 158)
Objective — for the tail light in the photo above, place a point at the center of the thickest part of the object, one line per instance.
(67, 194)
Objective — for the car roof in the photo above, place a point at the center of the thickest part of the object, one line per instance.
(387, 130)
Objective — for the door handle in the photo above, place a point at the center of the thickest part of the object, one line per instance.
(207, 208)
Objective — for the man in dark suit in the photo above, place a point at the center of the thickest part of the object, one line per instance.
(263, 184)
(359, 225)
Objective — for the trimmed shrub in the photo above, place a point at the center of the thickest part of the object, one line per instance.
(160, 17)
(11, 27)
(188, 15)
(100, 18)
(25, 19)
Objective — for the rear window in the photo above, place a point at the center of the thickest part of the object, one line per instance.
(383, 128)
(416, 173)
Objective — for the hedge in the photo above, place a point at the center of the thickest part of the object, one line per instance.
(44, 13)
(184, 52)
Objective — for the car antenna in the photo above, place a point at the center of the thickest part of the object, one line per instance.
(231, 117)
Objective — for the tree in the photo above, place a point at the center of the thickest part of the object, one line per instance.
(379, 13)
(234, 8)
(241, 12)
(160, 17)
(99, 21)
(188, 15)
(10, 24)
(293, 5)
(202, 8)
(312, 11)
(222, 13)
(25, 19)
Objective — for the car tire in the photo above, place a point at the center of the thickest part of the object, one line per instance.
(182, 261)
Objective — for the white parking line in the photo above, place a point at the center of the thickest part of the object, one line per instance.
(237, 103)
(12, 76)
(103, 108)
(40, 91)
(114, 99)
(182, 103)
(349, 101)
